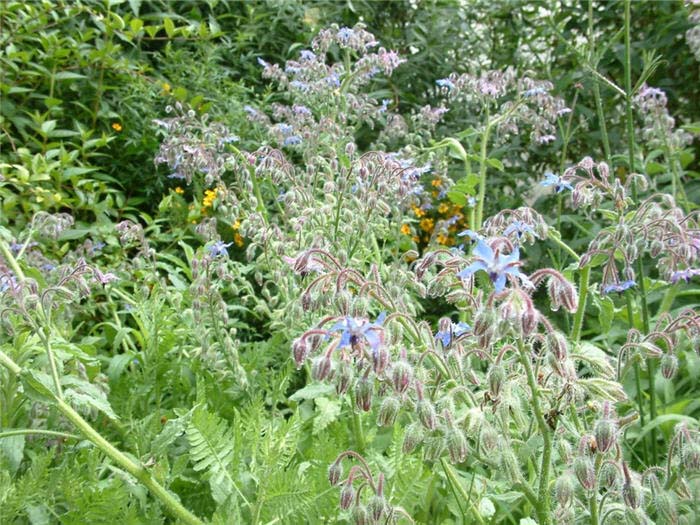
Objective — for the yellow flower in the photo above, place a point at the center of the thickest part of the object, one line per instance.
(415, 238)
(443, 208)
(427, 225)
(419, 213)
(443, 239)
(436, 182)
(238, 239)
(209, 197)
(179, 190)
(405, 229)
(166, 88)
(236, 224)
(117, 127)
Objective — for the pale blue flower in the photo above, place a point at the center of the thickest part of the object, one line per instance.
(445, 83)
(456, 330)
(550, 179)
(495, 264)
(354, 331)
(219, 248)
(619, 287)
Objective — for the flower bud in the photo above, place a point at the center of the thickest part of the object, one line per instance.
(457, 445)
(433, 448)
(609, 476)
(401, 375)
(691, 456)
(363, 394)
(488, 438)
(564, 490)
(347, 494)
(632, 494)
(388, 411)
(321, 368)
(380, 359)
(300, 350)
(412, 438)
(605, 432)
(496, 377)
(585, 473)
(335, 472)
(529, 320)
(666, 513)
(361, 516)
(669, 366)
(343, 378)
(509, 462)
(556, 343)
(350, 149)
(426, 414)
(377, 507)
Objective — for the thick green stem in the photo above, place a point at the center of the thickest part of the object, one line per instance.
(543, 499)
(458, 489)
(37, 431)
(593, 500)
(136, 470)
(482, 174)
(357, 430)
(584, 277)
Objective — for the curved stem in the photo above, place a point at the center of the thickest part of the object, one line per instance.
(37, 431)
(582, 297)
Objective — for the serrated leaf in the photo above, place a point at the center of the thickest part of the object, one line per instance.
(327, 411)
(37, 385)
(12, 447)
(81, 393)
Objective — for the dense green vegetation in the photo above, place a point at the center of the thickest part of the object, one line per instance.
(349, 262)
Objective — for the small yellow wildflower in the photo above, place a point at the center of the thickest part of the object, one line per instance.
(443, 239)
(238, 239)
(209, 197)
(117, 127)
(405, 229)
(236, 225)
(418, 212)
(427, 225)
(179, 190)
(166, 88)
(415, 238)
(436, 182)
(443, 208)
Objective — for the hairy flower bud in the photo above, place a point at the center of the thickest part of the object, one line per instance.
(690, 456)
(321, 368)
(496, 376)
(605, 432)
(426, 414)
(669, 366)
(347, 495)
(609, 475)
(377, 507)
(488, 438)
(632, 494)
(565, 490)
(300, 350)
(363, 394)
(556, 343)
(412, 438)
(585, 473)
(457, 445)
(529, 320)
(509, 462)
(433, 448)
(343, 378)
(401, 375)
(388, 411)
(665, 506)
(361, 516)
(380, 359)
(335, 472)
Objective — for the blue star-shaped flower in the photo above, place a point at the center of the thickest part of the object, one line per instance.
(219, 248)
(519, 228)
(495, 264)
(619, 287)
(354, 331)
(457, 329)
(550, 179)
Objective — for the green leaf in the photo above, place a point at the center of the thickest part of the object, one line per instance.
(12, 447)
(68, 75)
(495, 163)
(83, 394)
(169, 27)
(327, 411)
(312, 392)
(37, 385)
(211, 451)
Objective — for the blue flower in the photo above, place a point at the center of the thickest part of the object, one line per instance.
(308, 55)
(686, 275)
(345, 34)
(519, 228)
(495, 264)
(445, 83)
(219, 248)
(471, 234)
(535, 91)
(619, 287)
(550, 179)
(285, 129)
(262, 62)
(457, 329)
(354, 331)
(292, 140)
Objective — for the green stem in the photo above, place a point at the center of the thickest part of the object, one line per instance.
(357, 429)
(584, 277)
(543, 503)
(136, 470)
(38, 431)
(596, 92)
(555, 236)
(459, 491)
(593, 500)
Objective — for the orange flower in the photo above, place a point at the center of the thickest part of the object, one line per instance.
(436, 182)
(117, 127)
(238, 239)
